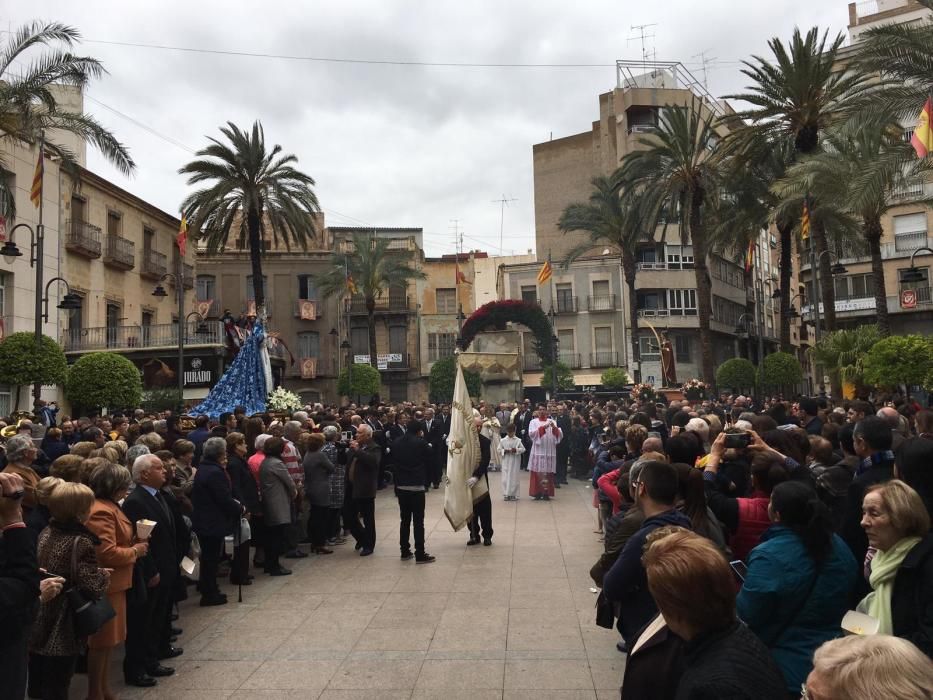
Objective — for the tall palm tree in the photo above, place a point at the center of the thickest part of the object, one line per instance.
(250, 191)
(28, 104)
(796, 97)
(679, 170)
(610, 218)
(374, 270)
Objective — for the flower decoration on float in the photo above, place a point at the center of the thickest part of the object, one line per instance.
(695, 390)
(281, 400)
(644, 393)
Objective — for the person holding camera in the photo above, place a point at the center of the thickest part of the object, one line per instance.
(364, 457)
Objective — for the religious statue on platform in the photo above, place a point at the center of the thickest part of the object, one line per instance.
(668, 369)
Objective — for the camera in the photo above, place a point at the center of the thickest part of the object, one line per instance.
(738, 441)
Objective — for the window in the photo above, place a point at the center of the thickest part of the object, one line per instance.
(441, 345)
(602, 339)
(648, 348)
(565, 297)
(359, 341)
(641, 119)
(250, 295)
(922, 285)
(910, 231)
(398, 392)
(648, 300)
(112, 315)
(309, 344)
(6, 400)
(679, 257)
(114, 221)
(682, 302)
(726, 311)
(148, 239)
(682, 348)
(205, 287)
(601, 289)
(724, 271)
(3, 305)
(398, 296)
(446, 301)
(530, 293)
(77, 210)
(565, 340)
(854, 287)
(398, 341)
(306, 290)
(646, 255)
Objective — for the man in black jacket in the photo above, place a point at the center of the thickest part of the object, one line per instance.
(522, 420)
(563, 447)
(435, 434)
(413, 460)
(148, 624)
(363, 458)
(482, 509)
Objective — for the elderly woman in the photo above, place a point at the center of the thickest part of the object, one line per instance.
(66, 549)
(278, 493)
(337, 481)
(184, 467)
(901, 570)
(21, 452)
(53, 445)
(246, 491)
(118, 551)
(317, 470)
(869, 666)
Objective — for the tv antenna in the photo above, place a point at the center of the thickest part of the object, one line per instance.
(705, 61)
(503, 203)
(641, 34)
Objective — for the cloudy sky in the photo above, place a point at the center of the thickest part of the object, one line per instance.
(395, 145)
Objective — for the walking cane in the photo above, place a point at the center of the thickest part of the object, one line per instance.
(236, 548)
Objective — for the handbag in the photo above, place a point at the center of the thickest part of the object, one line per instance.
(87, 614)
(605, 611)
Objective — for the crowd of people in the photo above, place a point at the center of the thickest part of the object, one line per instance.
(741, 540)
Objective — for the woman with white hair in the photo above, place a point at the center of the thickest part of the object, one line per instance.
(869, 666)
(21, 452)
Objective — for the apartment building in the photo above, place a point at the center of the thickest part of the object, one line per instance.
(445, 302)
(665, 281)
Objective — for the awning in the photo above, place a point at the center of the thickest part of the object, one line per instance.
(200, 393)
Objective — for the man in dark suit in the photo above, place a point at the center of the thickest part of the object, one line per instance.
(148, 624)
(413, 460)
(482, 509)
(216, 514)
(434, 434)
(522, 420)
(563, 447)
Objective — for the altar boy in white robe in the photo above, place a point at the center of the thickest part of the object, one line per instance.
(510, 452)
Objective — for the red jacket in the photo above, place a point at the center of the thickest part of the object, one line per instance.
(608, 484)
(753, 521)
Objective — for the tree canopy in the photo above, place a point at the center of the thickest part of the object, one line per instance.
(901, 359)
(444, 376)
(23, 362)
(104, 380)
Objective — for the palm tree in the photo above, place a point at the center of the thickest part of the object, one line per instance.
(797, 97)
(679, 172)
(610, 218)
(28, 105)
(374, 270)
(250, 190)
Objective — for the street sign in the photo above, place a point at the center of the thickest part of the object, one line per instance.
(382, 361)
(908, 298)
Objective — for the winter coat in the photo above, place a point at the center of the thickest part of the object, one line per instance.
(318, 469)
(912, 599)
(775, 604)
(278, 491)
(53, 633)
(216, 512)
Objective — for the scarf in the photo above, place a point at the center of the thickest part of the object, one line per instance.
(884, 568)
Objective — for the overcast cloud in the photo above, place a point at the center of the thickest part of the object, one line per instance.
(396, 145)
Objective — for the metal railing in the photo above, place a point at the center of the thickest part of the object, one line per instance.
(923, 294)
(531, 361)
(604, 359)
(571, 359)
(83, 238)
(159, 335)
(208, 310)
(566, 304)
(390, 303)
(120, 251)
(651, 265)
(653, 313)
(154, 264)
(910, 241)
(601, 303)
(913, 190)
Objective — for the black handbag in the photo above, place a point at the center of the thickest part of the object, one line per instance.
(605, 611)
(87, 614)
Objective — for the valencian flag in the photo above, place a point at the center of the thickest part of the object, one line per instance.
(182, 238)
(805, 221)
(36, 193)
(750, 256)
(922, 140)
(544, 274)
(351, 285)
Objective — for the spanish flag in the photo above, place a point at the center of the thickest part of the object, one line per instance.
(922, 140)
(351, 285)
(544, 274)
(750, 257)
(36, 193)
(182, 238)
(805, 221)
(461, 278)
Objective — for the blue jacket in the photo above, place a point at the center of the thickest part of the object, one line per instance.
(604, 466)
(627, 583)
(216, 513)
(772, 603)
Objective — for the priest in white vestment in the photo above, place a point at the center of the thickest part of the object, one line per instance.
(542, 464)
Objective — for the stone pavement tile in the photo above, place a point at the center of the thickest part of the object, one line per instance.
(274, 619)
(601, 643)
(357, 602)
(409, 639)
(208, 676)
(384, 694)
(280, 694)
(311, 676)
(547, 675)
(490, 639)
(355, 674)
(423, 582)
(535, 573)
(553, 639)
(456, 694)
(160, 691)
(368, 583)
(461, 674)
(544, 618)
(405, 619)
(541, 599)
(545, 655)
(551, 695)
(290, 602)
(482, 614)
(422, 601)
(607, 674)
(306, 643)
(234, 645)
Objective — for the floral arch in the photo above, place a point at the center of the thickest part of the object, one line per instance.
(497, 313)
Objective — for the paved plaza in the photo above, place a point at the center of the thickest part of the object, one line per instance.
(514, 620)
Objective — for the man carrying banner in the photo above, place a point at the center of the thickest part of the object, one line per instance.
(482, 507)
(545, 435)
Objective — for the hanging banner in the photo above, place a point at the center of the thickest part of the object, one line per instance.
(307, 310)
(308, 367)
(204, 307)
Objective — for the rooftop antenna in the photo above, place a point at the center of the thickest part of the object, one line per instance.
(503, 203)
(639, 30)
(705, 60)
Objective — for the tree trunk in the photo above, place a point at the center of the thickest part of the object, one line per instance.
(371, 321)
(873, 233)
(629, 270)
(704, 289)
(786, 270)
(827, 286)
(253, 219)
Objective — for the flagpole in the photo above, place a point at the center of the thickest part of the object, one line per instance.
(553, 288)
(40, 239)
(346, 284)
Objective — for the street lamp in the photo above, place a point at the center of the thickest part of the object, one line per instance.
(160, 293)
(912, 274)
(69, 302)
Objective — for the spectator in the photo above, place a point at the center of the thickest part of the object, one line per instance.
(278, 491)
(246, 491)
(363, 458)
(914, 465)
(53, 445)
(901, 570)
(317, 470)
(798, 582)
(807, 414)
(21, 453)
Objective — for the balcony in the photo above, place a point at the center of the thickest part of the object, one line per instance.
(910, 241)
(601, 303)
(119, 252)
(604, 359)
(922, 294)
(154, 265)
(83, 238)
(571, 359)
(531, 362)
(566, 305)
(908, 192)
(162, 335)
(385, 304)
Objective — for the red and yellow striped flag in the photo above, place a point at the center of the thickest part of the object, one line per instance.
(182, 238)
(805, 221)
(922, 140)
(351, 285)
(750, 256)
(36, 193)
(544, 274)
